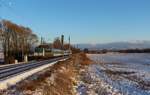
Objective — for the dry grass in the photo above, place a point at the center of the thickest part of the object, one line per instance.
(31, 85)
(62, 84)
(85, 60)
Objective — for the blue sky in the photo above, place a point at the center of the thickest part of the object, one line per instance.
(86, 21)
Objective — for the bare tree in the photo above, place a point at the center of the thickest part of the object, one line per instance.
(17, 41)
(57, 43)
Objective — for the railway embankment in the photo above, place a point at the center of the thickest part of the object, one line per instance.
(63, 78)
(13, 74)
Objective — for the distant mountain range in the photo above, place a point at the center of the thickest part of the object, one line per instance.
(117, 45)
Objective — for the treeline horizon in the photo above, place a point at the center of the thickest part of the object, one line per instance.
(136, 50)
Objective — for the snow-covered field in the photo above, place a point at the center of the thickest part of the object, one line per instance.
(127, 73)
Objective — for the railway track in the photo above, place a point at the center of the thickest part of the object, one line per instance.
(12, 70)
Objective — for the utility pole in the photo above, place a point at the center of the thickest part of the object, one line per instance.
(62, 42)
(69, 46)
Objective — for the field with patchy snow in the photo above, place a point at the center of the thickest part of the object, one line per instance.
(128, 74)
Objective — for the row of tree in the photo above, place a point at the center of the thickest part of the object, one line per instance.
(144, 50)
(17, 41)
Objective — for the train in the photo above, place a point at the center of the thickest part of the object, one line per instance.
(51, 52)
(58, 52)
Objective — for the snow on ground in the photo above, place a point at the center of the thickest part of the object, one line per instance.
(92, 84)
(128, 73)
